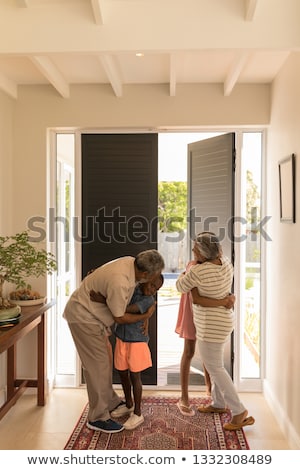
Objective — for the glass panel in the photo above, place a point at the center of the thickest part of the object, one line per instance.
(68, 185)
(65, 351)
(65, 347)
(58, 211)
(251, 255)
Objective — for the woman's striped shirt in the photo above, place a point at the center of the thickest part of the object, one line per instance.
(213, 324)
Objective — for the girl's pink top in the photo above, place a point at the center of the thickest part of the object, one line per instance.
(185, 325)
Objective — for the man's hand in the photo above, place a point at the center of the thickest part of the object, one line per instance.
(150, 311)
(145, 327)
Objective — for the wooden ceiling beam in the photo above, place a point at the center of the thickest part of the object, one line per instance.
(53, 75)
(112, 73)
(8, 86)
(97, 6)
(173, 70)
(22, 3)
(251, 8)
(235, 72)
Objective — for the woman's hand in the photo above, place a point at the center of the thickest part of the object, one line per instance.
(227, 302)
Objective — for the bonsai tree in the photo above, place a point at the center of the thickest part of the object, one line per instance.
(20, 259)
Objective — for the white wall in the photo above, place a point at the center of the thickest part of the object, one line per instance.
(7, 106)
(282, 382)
(39, 108)
(6, 188)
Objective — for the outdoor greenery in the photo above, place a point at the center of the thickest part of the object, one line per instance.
(252, 329)
(172, 203)
(20, 259)
(172, 206)
(252, 197)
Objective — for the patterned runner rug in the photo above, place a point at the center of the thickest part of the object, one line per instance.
(164, 428)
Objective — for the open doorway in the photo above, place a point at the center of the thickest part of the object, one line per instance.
(173, 168)
(173, 177)
(172, 154)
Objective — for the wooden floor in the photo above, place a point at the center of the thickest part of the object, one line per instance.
(27, 426)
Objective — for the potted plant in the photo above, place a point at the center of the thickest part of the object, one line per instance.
(20, 259)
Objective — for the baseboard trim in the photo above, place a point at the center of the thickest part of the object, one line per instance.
(281, 417)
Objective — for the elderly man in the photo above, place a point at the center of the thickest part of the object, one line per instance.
(90, 323)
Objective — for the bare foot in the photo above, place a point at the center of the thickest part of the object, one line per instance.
(185, 410)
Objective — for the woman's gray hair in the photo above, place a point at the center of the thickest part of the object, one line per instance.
(149, 261)
(208, 245)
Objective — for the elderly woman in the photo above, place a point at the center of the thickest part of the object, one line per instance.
(213, 277)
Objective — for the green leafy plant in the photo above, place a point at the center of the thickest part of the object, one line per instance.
(172, 206)
(20, 259)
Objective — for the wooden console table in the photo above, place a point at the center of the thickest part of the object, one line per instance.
(31, 317)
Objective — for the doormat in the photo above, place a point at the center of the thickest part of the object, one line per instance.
(173, 378)
(164, 428)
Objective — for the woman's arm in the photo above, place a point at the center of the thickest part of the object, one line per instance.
(186, 281)
(227, 302)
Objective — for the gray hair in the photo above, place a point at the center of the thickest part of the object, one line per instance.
(149, 261)
(208, 245)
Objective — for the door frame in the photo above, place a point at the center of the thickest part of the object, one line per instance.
(242, 385)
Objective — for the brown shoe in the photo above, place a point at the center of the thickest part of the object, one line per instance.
(234, 426)
(210, 409)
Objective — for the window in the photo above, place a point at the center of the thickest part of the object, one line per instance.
(250, 320)
(65, 351)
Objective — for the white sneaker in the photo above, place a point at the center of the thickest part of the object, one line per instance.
(133, 421)
(121, 410)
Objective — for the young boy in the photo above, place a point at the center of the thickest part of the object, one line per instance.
(132, 354)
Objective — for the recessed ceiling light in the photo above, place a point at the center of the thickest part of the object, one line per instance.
(139, 54)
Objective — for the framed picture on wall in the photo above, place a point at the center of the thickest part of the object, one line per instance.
(287, 189)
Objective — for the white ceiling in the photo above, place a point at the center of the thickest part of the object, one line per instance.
(73, 42)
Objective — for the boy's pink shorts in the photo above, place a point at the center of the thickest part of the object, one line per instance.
(133, 356)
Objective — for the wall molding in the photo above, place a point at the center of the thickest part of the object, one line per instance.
(281, 417)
